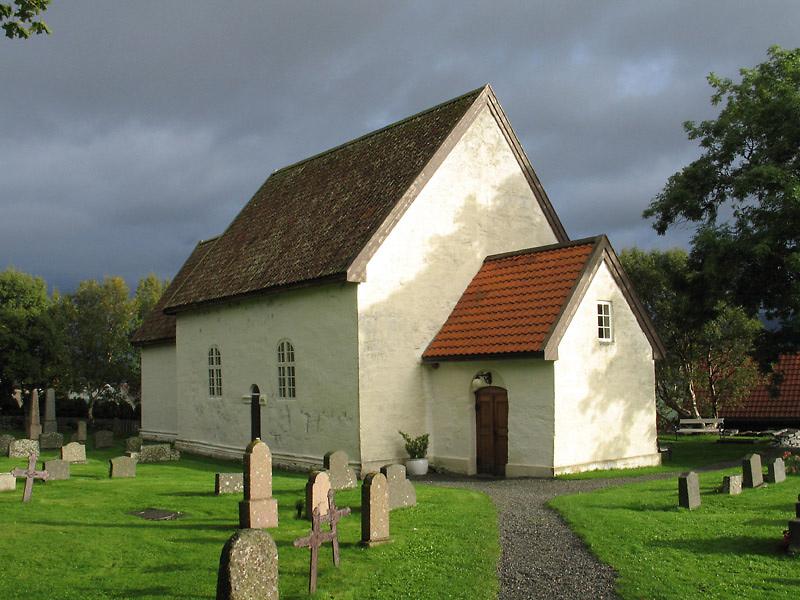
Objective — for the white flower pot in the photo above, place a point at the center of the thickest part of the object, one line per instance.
(416, 466)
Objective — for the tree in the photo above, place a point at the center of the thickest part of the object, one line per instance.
(98, 322)
(146, 296)
(29, 335)
(743, 196)
(17, 14)
(706, 366)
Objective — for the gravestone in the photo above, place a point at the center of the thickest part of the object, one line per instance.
(50, 422)
(248, 567)
(776, 471)
(228, 483)
(30, 474)
(794, 536)
(23, 448)
(259, 509)
(51, 440)
(317, 489)
(752, 475)
(122, 467)
(104, 439)
(5, 442)
(688, 490)
(155, 453)
(374, 510)
(401, 490)
(7, 482)
(57, 468)
(74, 452)
(797, 507)
(80, 434)
(133, 444)
(341, 476)
(33, 428)
(732, 485)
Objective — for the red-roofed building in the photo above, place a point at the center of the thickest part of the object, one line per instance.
(352, 297)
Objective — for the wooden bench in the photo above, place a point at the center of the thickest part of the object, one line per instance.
(689, 426)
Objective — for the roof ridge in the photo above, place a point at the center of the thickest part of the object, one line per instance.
(537, 249)
(383, 129)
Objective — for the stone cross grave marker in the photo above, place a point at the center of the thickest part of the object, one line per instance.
(248, 567)
(752, 475)
(30, 474)
(374, 510)
(317, 489)
(50, 422)
(341, 476)
(689, 490)
(776, 471)
(259, 509)
(33, 428)
(317, 537)
(401, 490)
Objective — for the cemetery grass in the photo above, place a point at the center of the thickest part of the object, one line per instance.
(77, 538)
(726, 548)
(689, 453)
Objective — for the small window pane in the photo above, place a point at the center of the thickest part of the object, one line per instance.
(214, 372)
(604, 321)
(286, 373)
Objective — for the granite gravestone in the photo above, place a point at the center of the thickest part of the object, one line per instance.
(80, 434)
(33, 428)
(259, 509)
(752, 475)
(688, 490)
(374, 510)
(23, 448)
(5, 442)
(7, 482)
(248, 567)
(57, 468)
(228, 483)
(732, 485)
(794, 536)
(74, 452)
(133, 444)
(51, 440)
(776, 471)
(122, 467)
(341, 476)
(104, 439)
(50, 422)
(401, 490)
(317, 489)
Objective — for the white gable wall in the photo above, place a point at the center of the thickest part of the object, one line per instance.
(477, 203)
(159, 413)
(605, 412)
(320, 322)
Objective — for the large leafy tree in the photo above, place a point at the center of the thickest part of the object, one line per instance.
(19, 18)
(706, 366)
(743, 197)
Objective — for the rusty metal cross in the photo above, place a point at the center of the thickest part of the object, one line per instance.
(317, 537)
(30, 474)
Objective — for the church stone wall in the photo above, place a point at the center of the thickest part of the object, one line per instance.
(605, 392)
(320, 322)
(477, 203)
(159, 413)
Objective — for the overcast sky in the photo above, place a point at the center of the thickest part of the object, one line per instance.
(138, 128)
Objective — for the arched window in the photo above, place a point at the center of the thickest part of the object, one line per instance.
(214, 372)
(286, 382)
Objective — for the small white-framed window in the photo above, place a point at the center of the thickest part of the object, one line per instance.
(286, 370)
(214, 372)
(604, 331)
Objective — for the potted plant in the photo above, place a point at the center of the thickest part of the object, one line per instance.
(417, 448)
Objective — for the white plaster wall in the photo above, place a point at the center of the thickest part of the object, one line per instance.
(529, 384)
(320, 322)
(159, 393)
(477, 203)
(605, 392)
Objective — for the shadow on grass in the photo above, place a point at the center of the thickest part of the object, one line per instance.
(202, 526)
(732, 545)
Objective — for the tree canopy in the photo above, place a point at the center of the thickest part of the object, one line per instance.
(743, 197)
(18, 18)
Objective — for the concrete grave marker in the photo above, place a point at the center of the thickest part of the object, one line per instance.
(794, 536)
(30, 474)
(341, 476)
(5, 442)
(104, 439)
(752, 475)
(374, 510)
(797, 507)
(23, 448)
(732, 485)
(776, 471)
(248, 567)
(80, 434)
(50, 422)
(317, 489)
(74, 452)
(228, 483)
(57, 468)
(8, 482)
(122, 467)
(133, 444)
(688, 490)
(51, 440)
(259, 509)
(401, 490)
(33, 428)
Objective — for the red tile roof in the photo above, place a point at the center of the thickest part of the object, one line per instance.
(513, 303)
(763, 404)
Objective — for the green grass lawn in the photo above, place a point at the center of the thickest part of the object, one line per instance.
(727, 548)
(76, 538)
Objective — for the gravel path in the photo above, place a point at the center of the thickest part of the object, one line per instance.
(541, 557)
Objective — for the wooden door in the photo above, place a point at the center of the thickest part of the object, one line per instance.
(491, 413)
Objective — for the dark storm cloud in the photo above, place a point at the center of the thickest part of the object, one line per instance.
(136, 129)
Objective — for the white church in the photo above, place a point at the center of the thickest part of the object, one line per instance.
(416, 279)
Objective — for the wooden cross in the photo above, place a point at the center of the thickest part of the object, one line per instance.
(30, 475)
(317, 537)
